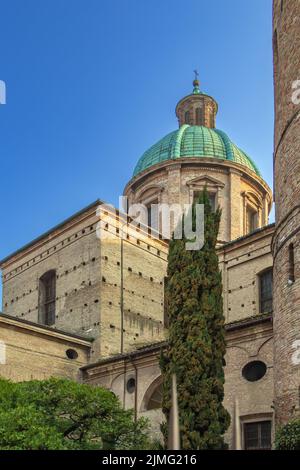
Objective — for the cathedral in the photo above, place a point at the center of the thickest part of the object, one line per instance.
(91, 308)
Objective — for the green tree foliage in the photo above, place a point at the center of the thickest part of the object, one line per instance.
(60, 414)
(288, 436)
(196, 346)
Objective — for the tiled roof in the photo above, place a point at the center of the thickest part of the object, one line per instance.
(194, 141)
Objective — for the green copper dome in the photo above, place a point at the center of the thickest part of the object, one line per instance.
(194, 141)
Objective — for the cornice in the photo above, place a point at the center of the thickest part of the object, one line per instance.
(147, 356)
(51, 234)
(9, 321)
(252, 237)
(205, 163)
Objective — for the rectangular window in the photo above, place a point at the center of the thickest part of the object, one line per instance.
(153, 216)
(257, 436)
(251, 220)
(291, 263)
(211, 197)
(166, 317)
(47, 296)
(149, 215)
(266, 291)
(50, 313)
(212, 200)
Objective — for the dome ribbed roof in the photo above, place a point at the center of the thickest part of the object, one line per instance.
(194, 141)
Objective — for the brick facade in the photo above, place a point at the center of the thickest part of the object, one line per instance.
(247, 341)
(117, 275)
(111, 288)
(235, 188)
(30, 351)
(100, 284)
(286, 44)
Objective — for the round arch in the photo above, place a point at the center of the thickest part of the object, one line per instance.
(153, 395)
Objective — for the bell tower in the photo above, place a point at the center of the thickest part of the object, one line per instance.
(286, 242)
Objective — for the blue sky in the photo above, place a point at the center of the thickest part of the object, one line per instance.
(91, 84)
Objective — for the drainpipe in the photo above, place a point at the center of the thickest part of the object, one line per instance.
(174, 432)
(122, 310)
(122, 295)
(124, 384)
(237, 425)
(135, 391)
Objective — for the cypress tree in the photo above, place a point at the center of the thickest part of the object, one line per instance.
(196, 346)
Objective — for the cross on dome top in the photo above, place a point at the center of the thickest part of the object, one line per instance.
(196, 83)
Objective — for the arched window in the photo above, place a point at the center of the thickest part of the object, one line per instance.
(291, 263)
(47, 293)
(155, 401)
(187, 117)
(199, 116)
(266, 291)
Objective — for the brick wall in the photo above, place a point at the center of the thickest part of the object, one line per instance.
(241, 263)
(175, 182)
(33, 352)
(286, 43)
(245, 343)
(90, 283)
